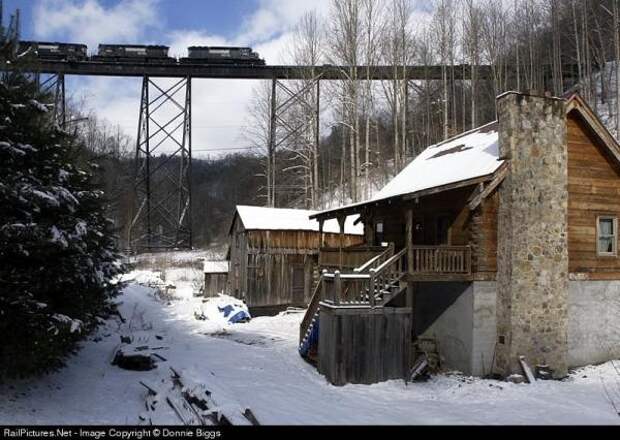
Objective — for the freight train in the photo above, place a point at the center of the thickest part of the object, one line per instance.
(222, 55)
(53, 51)
(129, 53)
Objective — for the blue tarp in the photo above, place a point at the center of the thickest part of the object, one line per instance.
(234, 314)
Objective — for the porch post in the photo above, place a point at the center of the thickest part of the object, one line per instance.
(410, 289)
(341, 221)
(369, 229)
(409, 240)
(321, 237)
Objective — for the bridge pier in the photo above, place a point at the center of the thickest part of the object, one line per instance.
(162, 185)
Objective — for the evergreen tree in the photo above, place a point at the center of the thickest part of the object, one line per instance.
(57, 255)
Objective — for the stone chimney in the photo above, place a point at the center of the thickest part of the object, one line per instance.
(532, 272)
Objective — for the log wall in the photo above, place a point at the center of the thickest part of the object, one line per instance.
(593, 190)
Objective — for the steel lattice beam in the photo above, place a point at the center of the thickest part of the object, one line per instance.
(291, 135)
(162, 185)
(54, 85)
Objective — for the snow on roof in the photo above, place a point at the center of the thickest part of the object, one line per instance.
(261, 218)
(216, 266)
(468, 156)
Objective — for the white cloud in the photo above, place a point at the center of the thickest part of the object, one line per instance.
(91, 23)
(274, 17)
(220, 107)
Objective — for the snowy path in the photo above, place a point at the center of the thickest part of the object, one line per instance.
(256, 365)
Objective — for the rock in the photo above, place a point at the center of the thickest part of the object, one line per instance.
(515, 378)
(134, 361)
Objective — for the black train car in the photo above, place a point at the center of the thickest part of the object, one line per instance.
(132, 53)
(54, 51)
(222, 55)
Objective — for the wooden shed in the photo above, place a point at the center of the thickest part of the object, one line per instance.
(216, 276)
(274, 255)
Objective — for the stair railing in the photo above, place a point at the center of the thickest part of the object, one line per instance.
(391, 271)
(376, 261)
(312, 308)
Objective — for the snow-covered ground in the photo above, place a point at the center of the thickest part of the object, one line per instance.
(256, 365)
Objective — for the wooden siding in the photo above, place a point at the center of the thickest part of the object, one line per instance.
(484, 237)
(593, 190)
(215, 283)
(266, 266)
(309, 240)
(364, 345)
(270, 279)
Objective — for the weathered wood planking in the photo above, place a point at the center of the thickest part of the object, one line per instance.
(593, 190)
(364, 345)
(275, 269)
(215, 283)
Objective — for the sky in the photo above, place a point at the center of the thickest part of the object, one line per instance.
(220, 107)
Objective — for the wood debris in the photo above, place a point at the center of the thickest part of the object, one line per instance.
(192, 404)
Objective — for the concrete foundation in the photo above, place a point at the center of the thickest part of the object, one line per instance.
(593, 322)
(465, 328)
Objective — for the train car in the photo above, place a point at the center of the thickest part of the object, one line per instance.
(54, 51)
(133, 53)
(222, 55)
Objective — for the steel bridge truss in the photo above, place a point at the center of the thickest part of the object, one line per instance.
(54, 85)
(162, 218)
(301, 133)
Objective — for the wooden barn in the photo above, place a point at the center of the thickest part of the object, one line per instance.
(504, 244)
(216, 277)
(274, 255)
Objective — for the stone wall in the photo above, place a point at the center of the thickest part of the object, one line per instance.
(593, 322)
(532, 273)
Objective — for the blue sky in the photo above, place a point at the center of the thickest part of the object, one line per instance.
(222, 17)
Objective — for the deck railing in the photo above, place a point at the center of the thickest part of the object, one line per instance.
(363, 288)
(441, 260)
(352, 257)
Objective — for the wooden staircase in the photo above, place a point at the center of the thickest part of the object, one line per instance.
(374, 284)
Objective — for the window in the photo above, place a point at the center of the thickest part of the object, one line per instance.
(607, 235)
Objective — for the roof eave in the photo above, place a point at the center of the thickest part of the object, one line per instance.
(357, 208)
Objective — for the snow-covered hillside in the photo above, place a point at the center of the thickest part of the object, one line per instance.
(256, 365)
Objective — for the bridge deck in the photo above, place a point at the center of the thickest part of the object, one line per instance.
(178, 70)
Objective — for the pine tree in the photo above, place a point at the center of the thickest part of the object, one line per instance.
(57, 255)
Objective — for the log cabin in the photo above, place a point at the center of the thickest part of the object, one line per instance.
(504, 243)
(274, 255)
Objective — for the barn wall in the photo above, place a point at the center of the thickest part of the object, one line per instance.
(270, 279)
(237, 273)
(593, 190)
(302, 240)
(215, 283)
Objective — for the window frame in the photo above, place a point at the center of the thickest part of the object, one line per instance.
(614, 252)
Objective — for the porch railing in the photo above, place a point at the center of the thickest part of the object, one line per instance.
(363, 288)
(352, 257)
(441, 260)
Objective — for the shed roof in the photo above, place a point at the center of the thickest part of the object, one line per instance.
(284, 219)
(215, 266)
